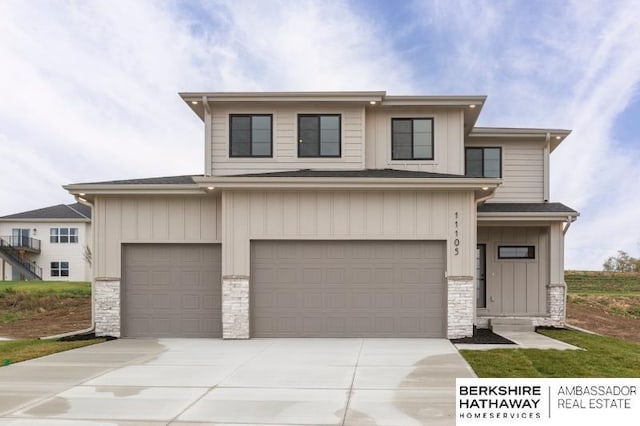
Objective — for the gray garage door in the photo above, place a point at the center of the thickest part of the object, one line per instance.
(348, 289)
(171, 290)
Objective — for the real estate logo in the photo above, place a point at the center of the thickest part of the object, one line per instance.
(546, 401)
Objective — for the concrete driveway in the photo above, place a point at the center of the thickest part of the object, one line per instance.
(261, 381)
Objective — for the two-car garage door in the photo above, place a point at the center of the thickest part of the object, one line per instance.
(348, 289)
(298, 289)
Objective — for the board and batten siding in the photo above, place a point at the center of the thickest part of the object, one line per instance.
(348, 215)
(193, 219)
(448, 140)
(522, 171)
(516, 286)
(285, 138)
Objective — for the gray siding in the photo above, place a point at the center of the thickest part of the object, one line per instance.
(285, 138)
(192, 219)
(522, 171)
(516, 286)
(336, 215)
(448, 140)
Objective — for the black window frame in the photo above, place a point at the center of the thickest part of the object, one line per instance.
(59, 268)
(482, 149)
(250, 116)
(319, 116)
(531, 252)
(413, 158)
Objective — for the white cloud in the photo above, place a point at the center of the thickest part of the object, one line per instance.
(568, 65)
(90, 88)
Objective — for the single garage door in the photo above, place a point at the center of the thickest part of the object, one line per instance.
(348, 288)
(171, 290)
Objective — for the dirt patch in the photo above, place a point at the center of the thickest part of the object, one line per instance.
(55, 316)
(596, 318)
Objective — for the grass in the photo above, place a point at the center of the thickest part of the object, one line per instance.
(13, 351)
(22, 299)
(58, 288)
(602, 357)
(614, 292)
(603, 283)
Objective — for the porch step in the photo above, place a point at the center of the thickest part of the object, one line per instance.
(511, 324)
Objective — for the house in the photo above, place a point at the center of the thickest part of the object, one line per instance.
(52, 243)
(335, 214)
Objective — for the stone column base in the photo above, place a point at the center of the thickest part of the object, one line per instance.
(106, 312)
(557, 304)
(460, 292)
(235, 307)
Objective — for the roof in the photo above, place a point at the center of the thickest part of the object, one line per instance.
(164, 180)
(368, 173)
(525, 208)
(200, 102)
(60, 211)
(556, 136)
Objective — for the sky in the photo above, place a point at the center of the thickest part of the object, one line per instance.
(88, 89)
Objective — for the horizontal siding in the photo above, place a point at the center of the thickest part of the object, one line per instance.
(151, 220)
(285, 137)
(448, 140)
(522, 172)
(355, 215)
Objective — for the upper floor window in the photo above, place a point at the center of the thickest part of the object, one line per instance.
(319, 135)
(250, 135)
(63, 235)
(412, 139)
(483, 162)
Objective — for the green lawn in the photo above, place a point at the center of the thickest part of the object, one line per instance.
(613, 292)
(602, 283)
(13, 351)
(602, 357)
(52, 288)
(22, 299)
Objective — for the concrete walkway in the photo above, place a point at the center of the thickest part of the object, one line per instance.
(251, 382)
(522, 340)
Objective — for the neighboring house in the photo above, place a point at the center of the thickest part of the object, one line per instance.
(49, 244)
(335, 214)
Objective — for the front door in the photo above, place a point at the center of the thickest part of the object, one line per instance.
(481, 272)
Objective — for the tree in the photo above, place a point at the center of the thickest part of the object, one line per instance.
(622, 263)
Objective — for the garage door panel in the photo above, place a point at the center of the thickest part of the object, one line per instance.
(172, 290)
(371, 289)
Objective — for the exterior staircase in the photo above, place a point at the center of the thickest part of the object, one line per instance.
(12, 250)
(499, 325)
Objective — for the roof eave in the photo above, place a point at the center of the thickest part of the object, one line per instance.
(527, 216)
(44, 220)
(254, 182)
(148, 189)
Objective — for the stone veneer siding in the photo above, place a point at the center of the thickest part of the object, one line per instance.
(460, 306)
(556, 307)
(106, 314)
(235, 307)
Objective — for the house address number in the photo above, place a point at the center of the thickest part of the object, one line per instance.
(456, 241)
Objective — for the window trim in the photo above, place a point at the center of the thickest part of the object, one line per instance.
(433, 143)
(56, 237)
(531, 252)
(319, 115)
(58, 268)
(250, 116)
(482, 148)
